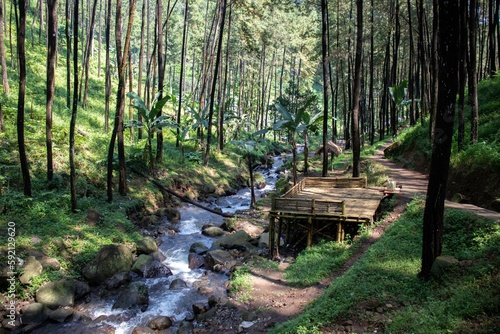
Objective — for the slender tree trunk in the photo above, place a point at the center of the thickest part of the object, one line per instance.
(325, 62)
(448, 53)
(371, 101)
(491, 38)
(141, 62)
(68, 54)
(88, 48)
(21, 53)
(434, 67)
(183, 63)
(356, 149)
(5, 79)
(51, 62)
(411, 81)
(472, 72)
(222, 105)
(161, 74)
(462, 74)
(74, 111)
(214, 81)
(107, 89)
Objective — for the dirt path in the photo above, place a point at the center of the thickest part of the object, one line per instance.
(273, 301)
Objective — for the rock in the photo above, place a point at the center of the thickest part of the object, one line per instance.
(199, 308)
(442, 264)
(240, 237)
(264, 240)
(218, 257)
(195, 261)
(60, 314)
(146, 245)
(118, 280)
(158, 256)
(185, 327)
(34, 314)
(93, 217)
(459, 198)
(31, 268)
(110, 259)
(148, 267)
(160, 323)
(213, 231)
(61, 293)
(142, 330)
(177, 284)
(198, 248)
(147, 221)
(45, 261)
(135, 295)
(173, 215)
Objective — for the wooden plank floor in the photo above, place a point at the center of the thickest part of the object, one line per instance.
(359, 202)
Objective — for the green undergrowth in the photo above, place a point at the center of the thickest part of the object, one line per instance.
(465, 299)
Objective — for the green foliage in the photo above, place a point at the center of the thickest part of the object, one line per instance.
(387, 273)
(241, 282)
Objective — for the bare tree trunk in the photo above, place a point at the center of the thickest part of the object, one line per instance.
(472, 73)
(107, 89)
(222, 104)
(492, 25)
(356, 149)
(141, 62)
(183, 63)
(214, 81)
(161, 73)
(434, 67)
(74, 111)
(325, 62)
(21, 53)
(68, 54)
(462, 74)
(5, 79)
(448, 86)
(86, 62)
(51, 61)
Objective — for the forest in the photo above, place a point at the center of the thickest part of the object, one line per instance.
(196, 94)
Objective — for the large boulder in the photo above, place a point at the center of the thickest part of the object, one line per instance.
(34, 314)
(148, 267)
(195, 261)
(217, 258)
(198, 248)
(146, 245)
(30, 269)
(442, 264)
(213, 231)
(135, 295)
(238, 238)
(160, 323)
(110, 259)
(61, 293)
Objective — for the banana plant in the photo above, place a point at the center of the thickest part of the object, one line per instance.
(150, 119)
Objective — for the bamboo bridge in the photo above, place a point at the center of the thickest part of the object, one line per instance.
(322, 206)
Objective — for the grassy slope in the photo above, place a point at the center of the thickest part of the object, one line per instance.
(464, 300)
(474, 171)
(45, 222)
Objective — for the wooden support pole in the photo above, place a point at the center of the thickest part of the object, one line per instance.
(272, 233)
(310, 232)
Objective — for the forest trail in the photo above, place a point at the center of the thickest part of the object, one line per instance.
(414, 184)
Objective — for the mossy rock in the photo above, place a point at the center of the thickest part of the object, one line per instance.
(110, 259)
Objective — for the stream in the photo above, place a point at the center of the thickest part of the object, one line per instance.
(176, 303)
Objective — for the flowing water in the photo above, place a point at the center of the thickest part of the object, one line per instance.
(176, 304)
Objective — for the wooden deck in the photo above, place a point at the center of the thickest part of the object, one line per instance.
(323, 206)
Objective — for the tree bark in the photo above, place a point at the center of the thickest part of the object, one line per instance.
(325, 63)
(21, 53)
(51, 62)
(214, 81)
(462, 74)
(74, 110)
(448, 56)
(86, 62)
(107, 89)
(183, 63)
(161, 73)
(356, 149)
(5, 79)
(472, 72)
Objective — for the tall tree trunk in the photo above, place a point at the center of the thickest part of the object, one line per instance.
(107, 79)
(86, 62)
(5, 79)
(325, 62)
(472, 72)
(161, 74)
(74, 110)
(141, 62)
(51, 62)
(448, 53)
(68, 53)
(434, 67)
(222, 104)
(411, 81)
(21, 53)
(356, 149)
(214, 81)
(371, 101)
(462, 74)
(183, 63)
(394, 69)
(492, 27)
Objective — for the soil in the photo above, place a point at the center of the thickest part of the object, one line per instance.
(273, 301)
